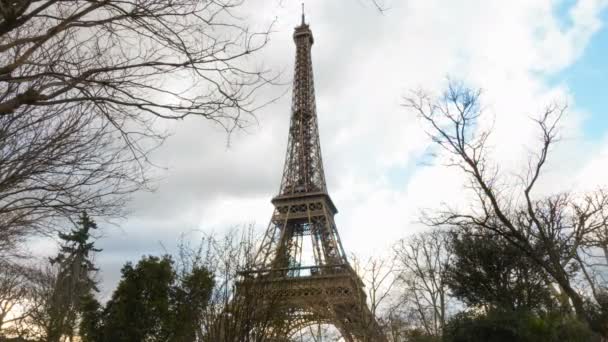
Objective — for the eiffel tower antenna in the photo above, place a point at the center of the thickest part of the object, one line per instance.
(327, 290)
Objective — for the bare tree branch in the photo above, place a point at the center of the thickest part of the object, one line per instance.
(81, 84)
(550, 230)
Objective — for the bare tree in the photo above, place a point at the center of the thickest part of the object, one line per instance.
(593, 261)
(120, 56)
(45, 301)
(57, 164)
(12, 294)
(30, 317)
(378, 275)
(318, 333)
(558, 225)
(421, 264)
(236, 311)
(81, 83)
(380, 5)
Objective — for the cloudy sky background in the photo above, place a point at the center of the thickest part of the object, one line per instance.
(522, 53)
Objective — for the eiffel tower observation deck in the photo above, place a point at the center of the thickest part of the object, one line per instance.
(302, 286)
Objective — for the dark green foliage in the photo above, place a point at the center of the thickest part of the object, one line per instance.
(151, 303)
(486, 270)
(91, 318)
(516, 326)
(74, 279)
(419, 335)
(598, 312)
(76, 243)
(139, 309)
(189, 301)
(467, 327)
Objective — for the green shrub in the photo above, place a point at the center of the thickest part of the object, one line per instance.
(419, 335)
(516, 326)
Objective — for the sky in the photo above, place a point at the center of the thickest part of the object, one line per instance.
(524, 54)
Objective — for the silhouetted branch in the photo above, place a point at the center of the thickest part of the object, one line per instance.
(559, 225)
(81, 85)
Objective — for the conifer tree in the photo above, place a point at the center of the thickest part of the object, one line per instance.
(91, 321)
(152, 302)
(74, 279)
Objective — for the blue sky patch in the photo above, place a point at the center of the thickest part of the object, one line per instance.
(587, 78)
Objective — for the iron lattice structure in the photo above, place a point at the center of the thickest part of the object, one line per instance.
(328, 291)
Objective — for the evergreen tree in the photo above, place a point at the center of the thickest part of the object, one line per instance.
(139, 309)
(91, 321)
(190, 298)
(485, 270)
(498, 325)
(152, 303)
(74, 279)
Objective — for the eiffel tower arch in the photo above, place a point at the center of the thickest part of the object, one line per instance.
(327, 291)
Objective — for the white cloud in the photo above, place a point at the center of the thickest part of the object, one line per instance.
(364, 63)
(593, 174)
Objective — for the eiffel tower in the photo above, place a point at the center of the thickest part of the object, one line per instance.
(327, 291)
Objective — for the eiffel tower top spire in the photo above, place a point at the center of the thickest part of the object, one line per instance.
(303, 171)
